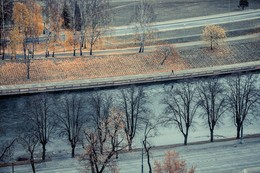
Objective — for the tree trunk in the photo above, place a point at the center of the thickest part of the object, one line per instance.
(33, 49)
(43, 152)
(238, 131)
(73, 151)
(24, 49)
(91, 47)
(80, 50)
(47, 46)
(140, 50)
(32, 164)
(211, 135)
(130, 145)
(185, 139)
(148, 161)
(74, 52)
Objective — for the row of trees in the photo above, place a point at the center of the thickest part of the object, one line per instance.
(85, 21)
(105, 125)
(237, 96)
(101, 124)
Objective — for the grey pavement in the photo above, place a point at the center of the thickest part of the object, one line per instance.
(189, 22)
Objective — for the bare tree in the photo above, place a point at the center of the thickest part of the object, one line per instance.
(181, 107)
(40, 115)
(29, 141)
(133, 104)
(150, 131)
(165, 52)
(6, 11)
(242, 98)
(52, 24)
(212, 101)
(105, 135)
(82, 24)
(6, 148)
(98, 18)
(71, 118)
(100, 105)
(142, 18)
(76, 23)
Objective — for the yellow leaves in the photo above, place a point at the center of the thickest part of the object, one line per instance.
(27, 17)
(213, 34)
(71, 39)
(21, 16)
(15, 40)
(172, 164)
(86, 68)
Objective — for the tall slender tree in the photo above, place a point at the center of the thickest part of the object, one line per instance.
(98, 19)
(6, 11)
(181, 107)
(142, 19)
(104, 135)
(134, 105)
(21, 18)
(71, 118)
(213, 102)
(243, 99)
(40, 114)
(66, 16)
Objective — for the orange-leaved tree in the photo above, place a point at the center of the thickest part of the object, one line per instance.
(172, 164)
(15, 40)
(213, 34)
(21, 19)
(27, 18)
(36, 22)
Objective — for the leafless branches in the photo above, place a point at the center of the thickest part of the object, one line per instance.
(181, 106)
(104, 135)
(40, 114)
(242, 98)
(71, 118)
(29, 141)
(98, 18)
(142, 18)
(212, 101)
(133, 104)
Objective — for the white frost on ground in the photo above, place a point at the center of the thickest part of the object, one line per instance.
(215, 157)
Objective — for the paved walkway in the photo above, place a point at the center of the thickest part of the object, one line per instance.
(126, 80)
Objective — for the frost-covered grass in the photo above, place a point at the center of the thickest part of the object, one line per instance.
(206, 157)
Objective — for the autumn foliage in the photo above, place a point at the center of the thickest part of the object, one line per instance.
(213, 34)
(83, 68)
(172, 164)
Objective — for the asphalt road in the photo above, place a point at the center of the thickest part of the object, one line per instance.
(220, 157)
(132, 50)
(190, 22)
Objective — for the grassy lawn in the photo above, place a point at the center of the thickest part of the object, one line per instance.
(62, 69)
